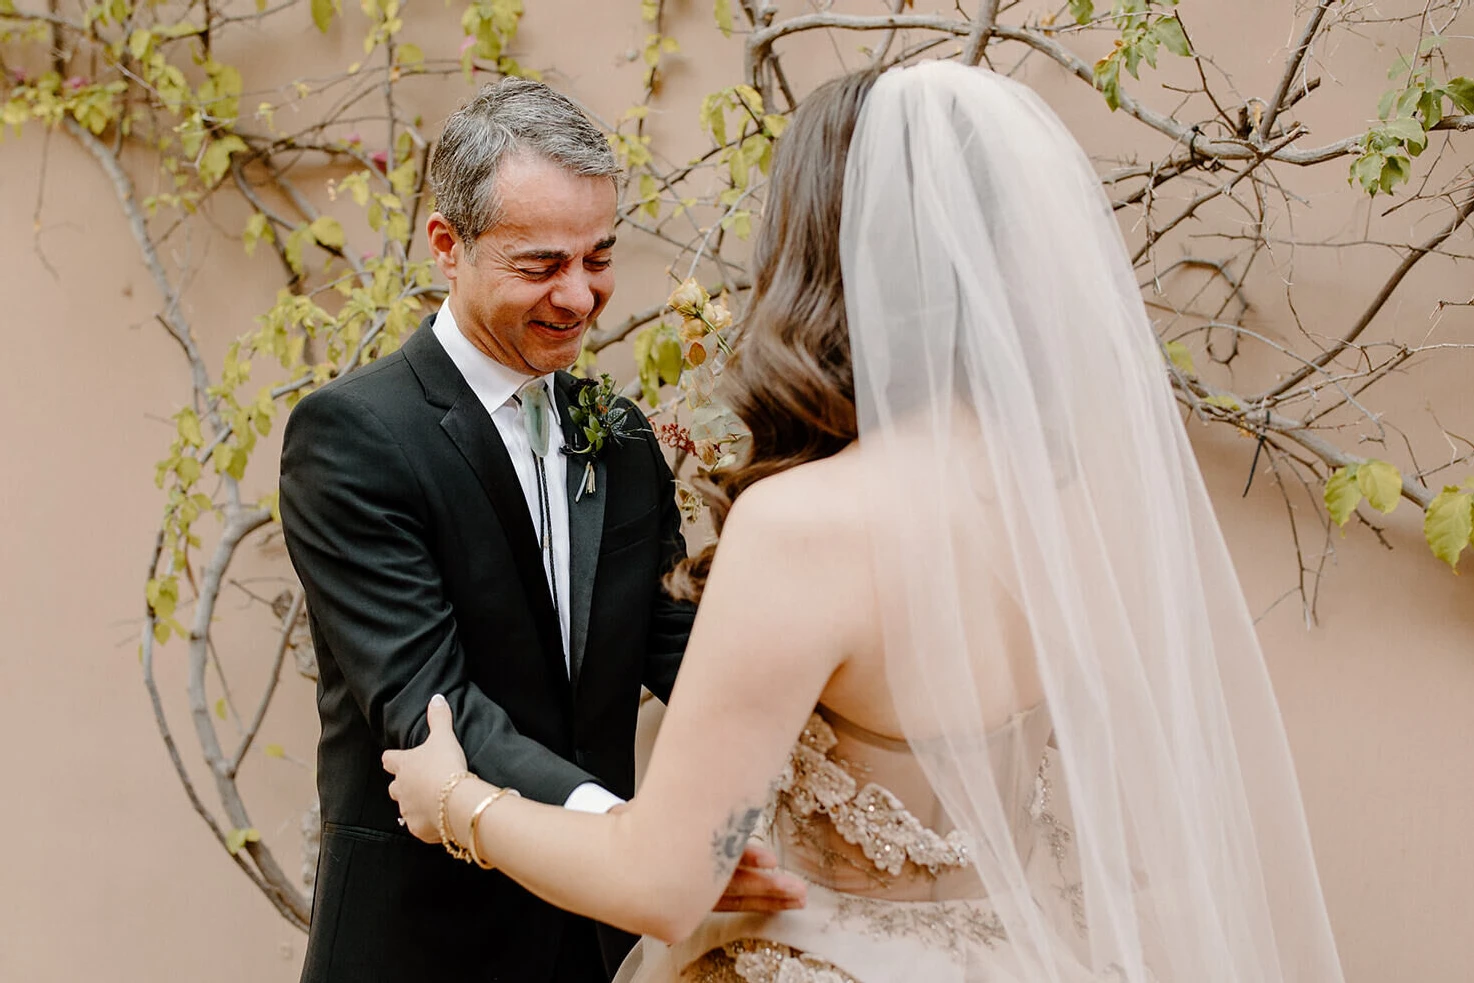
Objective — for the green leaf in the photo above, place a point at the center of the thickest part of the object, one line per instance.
(322, 13)
(1406, 128)
(1082, 11)
(1384, 105)
(1381, 483)
(1169, 31)
(410, 54)
(1367, 171)
(1179, 355)
(1223, 401)
(1448, 524)
(220, 708)
(1461, 91)
(1108, 81)
(328, 231)
(1342, 495)
(138, 43)
(1431, 106)
(724, 17)
(1395, 171)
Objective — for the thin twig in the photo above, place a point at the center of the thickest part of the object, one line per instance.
(1461, 215)
(1292, 68)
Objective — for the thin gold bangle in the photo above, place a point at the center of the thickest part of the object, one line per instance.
(476, 818)
(447, 840)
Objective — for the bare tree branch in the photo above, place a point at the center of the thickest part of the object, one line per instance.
(1461, 215)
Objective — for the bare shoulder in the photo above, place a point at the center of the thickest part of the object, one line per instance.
(820, 503)
(795, 548)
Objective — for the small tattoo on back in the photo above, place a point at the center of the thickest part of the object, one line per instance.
(728, 842)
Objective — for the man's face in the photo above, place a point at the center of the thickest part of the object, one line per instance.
(542, 274)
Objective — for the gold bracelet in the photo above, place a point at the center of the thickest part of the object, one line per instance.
(476, 818)
(446, 839)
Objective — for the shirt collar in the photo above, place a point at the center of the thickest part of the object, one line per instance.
(491, 381)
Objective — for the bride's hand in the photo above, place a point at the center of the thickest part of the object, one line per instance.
(421, 772)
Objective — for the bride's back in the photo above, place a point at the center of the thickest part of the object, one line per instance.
(855, 810)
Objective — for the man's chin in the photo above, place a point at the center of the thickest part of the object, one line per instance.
(551, 359)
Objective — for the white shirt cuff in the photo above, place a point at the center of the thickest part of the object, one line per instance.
(589, 797)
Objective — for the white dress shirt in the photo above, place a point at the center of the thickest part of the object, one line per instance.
(494, 385)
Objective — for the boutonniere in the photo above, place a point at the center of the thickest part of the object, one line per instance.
(597, 414)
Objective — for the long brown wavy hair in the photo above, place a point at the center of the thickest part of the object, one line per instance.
(791, 381)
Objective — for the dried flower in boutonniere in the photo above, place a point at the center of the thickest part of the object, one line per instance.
(596, 411)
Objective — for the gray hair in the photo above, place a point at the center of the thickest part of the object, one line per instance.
(513, 115)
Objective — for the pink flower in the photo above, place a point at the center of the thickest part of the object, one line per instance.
(380, 159)
(466, 44)
(353, 139)
(76, 82)
(21, 76)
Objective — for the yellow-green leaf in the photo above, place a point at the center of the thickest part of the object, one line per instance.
(328, 231)
(188, 470)
(236, 839)
(668, 358)
(410, 54)
(257, 228)
(216, 159)
(1448, 524)
(189, 428)
(1179, 355)
(1381, 483)
(220, 708)
(1342, 495)
(322, 13)
(1223, 401)
(274, 751)
(724, 17)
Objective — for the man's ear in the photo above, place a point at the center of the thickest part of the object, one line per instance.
(445, 247)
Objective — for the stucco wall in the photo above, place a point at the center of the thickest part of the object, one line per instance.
(108, 875)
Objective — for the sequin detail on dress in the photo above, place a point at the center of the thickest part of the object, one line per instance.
(869, 817)
(759, 961)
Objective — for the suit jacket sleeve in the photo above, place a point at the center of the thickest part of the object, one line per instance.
(670, 622)
(352, 514)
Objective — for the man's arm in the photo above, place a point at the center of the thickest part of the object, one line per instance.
(352, 515)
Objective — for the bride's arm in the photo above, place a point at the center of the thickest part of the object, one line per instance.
(771, 630)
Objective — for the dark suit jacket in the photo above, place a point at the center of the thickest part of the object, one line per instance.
(407, 526)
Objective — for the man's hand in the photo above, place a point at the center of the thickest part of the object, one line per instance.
(758, 885)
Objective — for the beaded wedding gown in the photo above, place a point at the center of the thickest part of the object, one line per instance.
(892, 893)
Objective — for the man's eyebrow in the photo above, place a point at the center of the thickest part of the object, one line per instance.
(559, 255)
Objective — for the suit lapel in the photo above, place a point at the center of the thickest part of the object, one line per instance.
(469, 427)
(585, 529)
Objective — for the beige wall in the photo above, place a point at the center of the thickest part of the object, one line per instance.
(106, 874)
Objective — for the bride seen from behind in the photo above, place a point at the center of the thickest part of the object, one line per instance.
(971, 651)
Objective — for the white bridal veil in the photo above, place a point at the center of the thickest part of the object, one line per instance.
(1050, 541)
